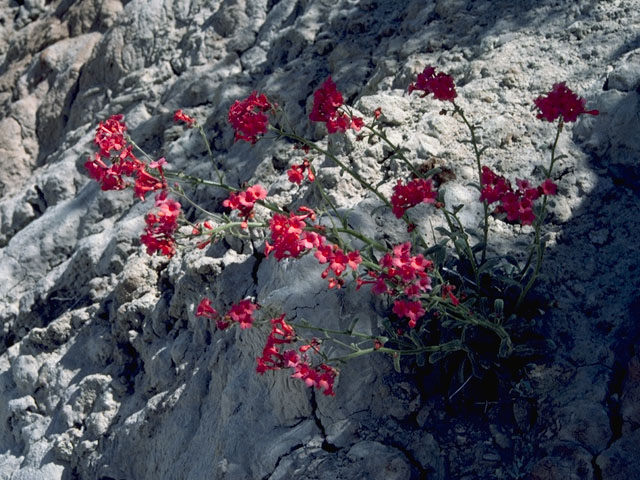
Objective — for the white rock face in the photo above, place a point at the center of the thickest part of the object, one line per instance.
(106, 373)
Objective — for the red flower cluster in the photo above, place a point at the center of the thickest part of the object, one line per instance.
(180, 116)
(401, 274)
(113, 146)
(248, 119)
(296, 172)
(517, 204)
(274, 357)
(414, 192)
(338, 262)
(245, 201)
(241, 313)
(441, 85)
(411, 310)
(326, 103)
(110, 135)
(561, 102)
(288, 236)
(158, 234)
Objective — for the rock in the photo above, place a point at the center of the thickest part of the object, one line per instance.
(615, 463)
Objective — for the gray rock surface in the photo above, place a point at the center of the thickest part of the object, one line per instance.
(106, 373)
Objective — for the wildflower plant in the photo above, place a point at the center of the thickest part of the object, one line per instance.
(437, 296)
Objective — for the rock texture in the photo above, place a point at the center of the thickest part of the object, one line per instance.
(106, 373)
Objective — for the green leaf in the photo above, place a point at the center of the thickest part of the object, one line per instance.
(444, 231)
(396, 362)
(420, 359)
(498, 307)
(475, 185)
(457, 208)
(478, 247)
(489, 264)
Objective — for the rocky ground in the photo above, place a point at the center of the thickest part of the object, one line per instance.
(106, 373)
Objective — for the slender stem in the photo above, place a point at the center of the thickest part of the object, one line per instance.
(209, 152)
(538, 247)
(335, 160)
(478, 154)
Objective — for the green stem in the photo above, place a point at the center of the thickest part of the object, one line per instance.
(478, 154)
(335, 160)
(538, 247)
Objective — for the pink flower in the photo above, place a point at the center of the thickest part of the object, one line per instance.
(441, 85)
(248, 119)
(245, 201)
(414, 192)
(327, 101)
(180, 116)
(561, 102)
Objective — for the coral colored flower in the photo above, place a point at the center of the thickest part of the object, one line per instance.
(411, 310)
(441, 85)
(561, 102)
(414, 192)
(248, 118)
(245, 201)
(161, 226)
(327, 101)
(180, 116)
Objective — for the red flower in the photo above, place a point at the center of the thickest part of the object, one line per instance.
(242, 313)
(245, 201)
(296, 172)
(561, 101)
(548, 187)
(326, 103)
(401, 273)
(447, 291)
(338, 262)
(206, 310)
(248, 119)
(288, 236)
(161, 226)
(411, 310)
(110, 135)
(146, 182)
(414, 192)
(180, 116)
(441, 85)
